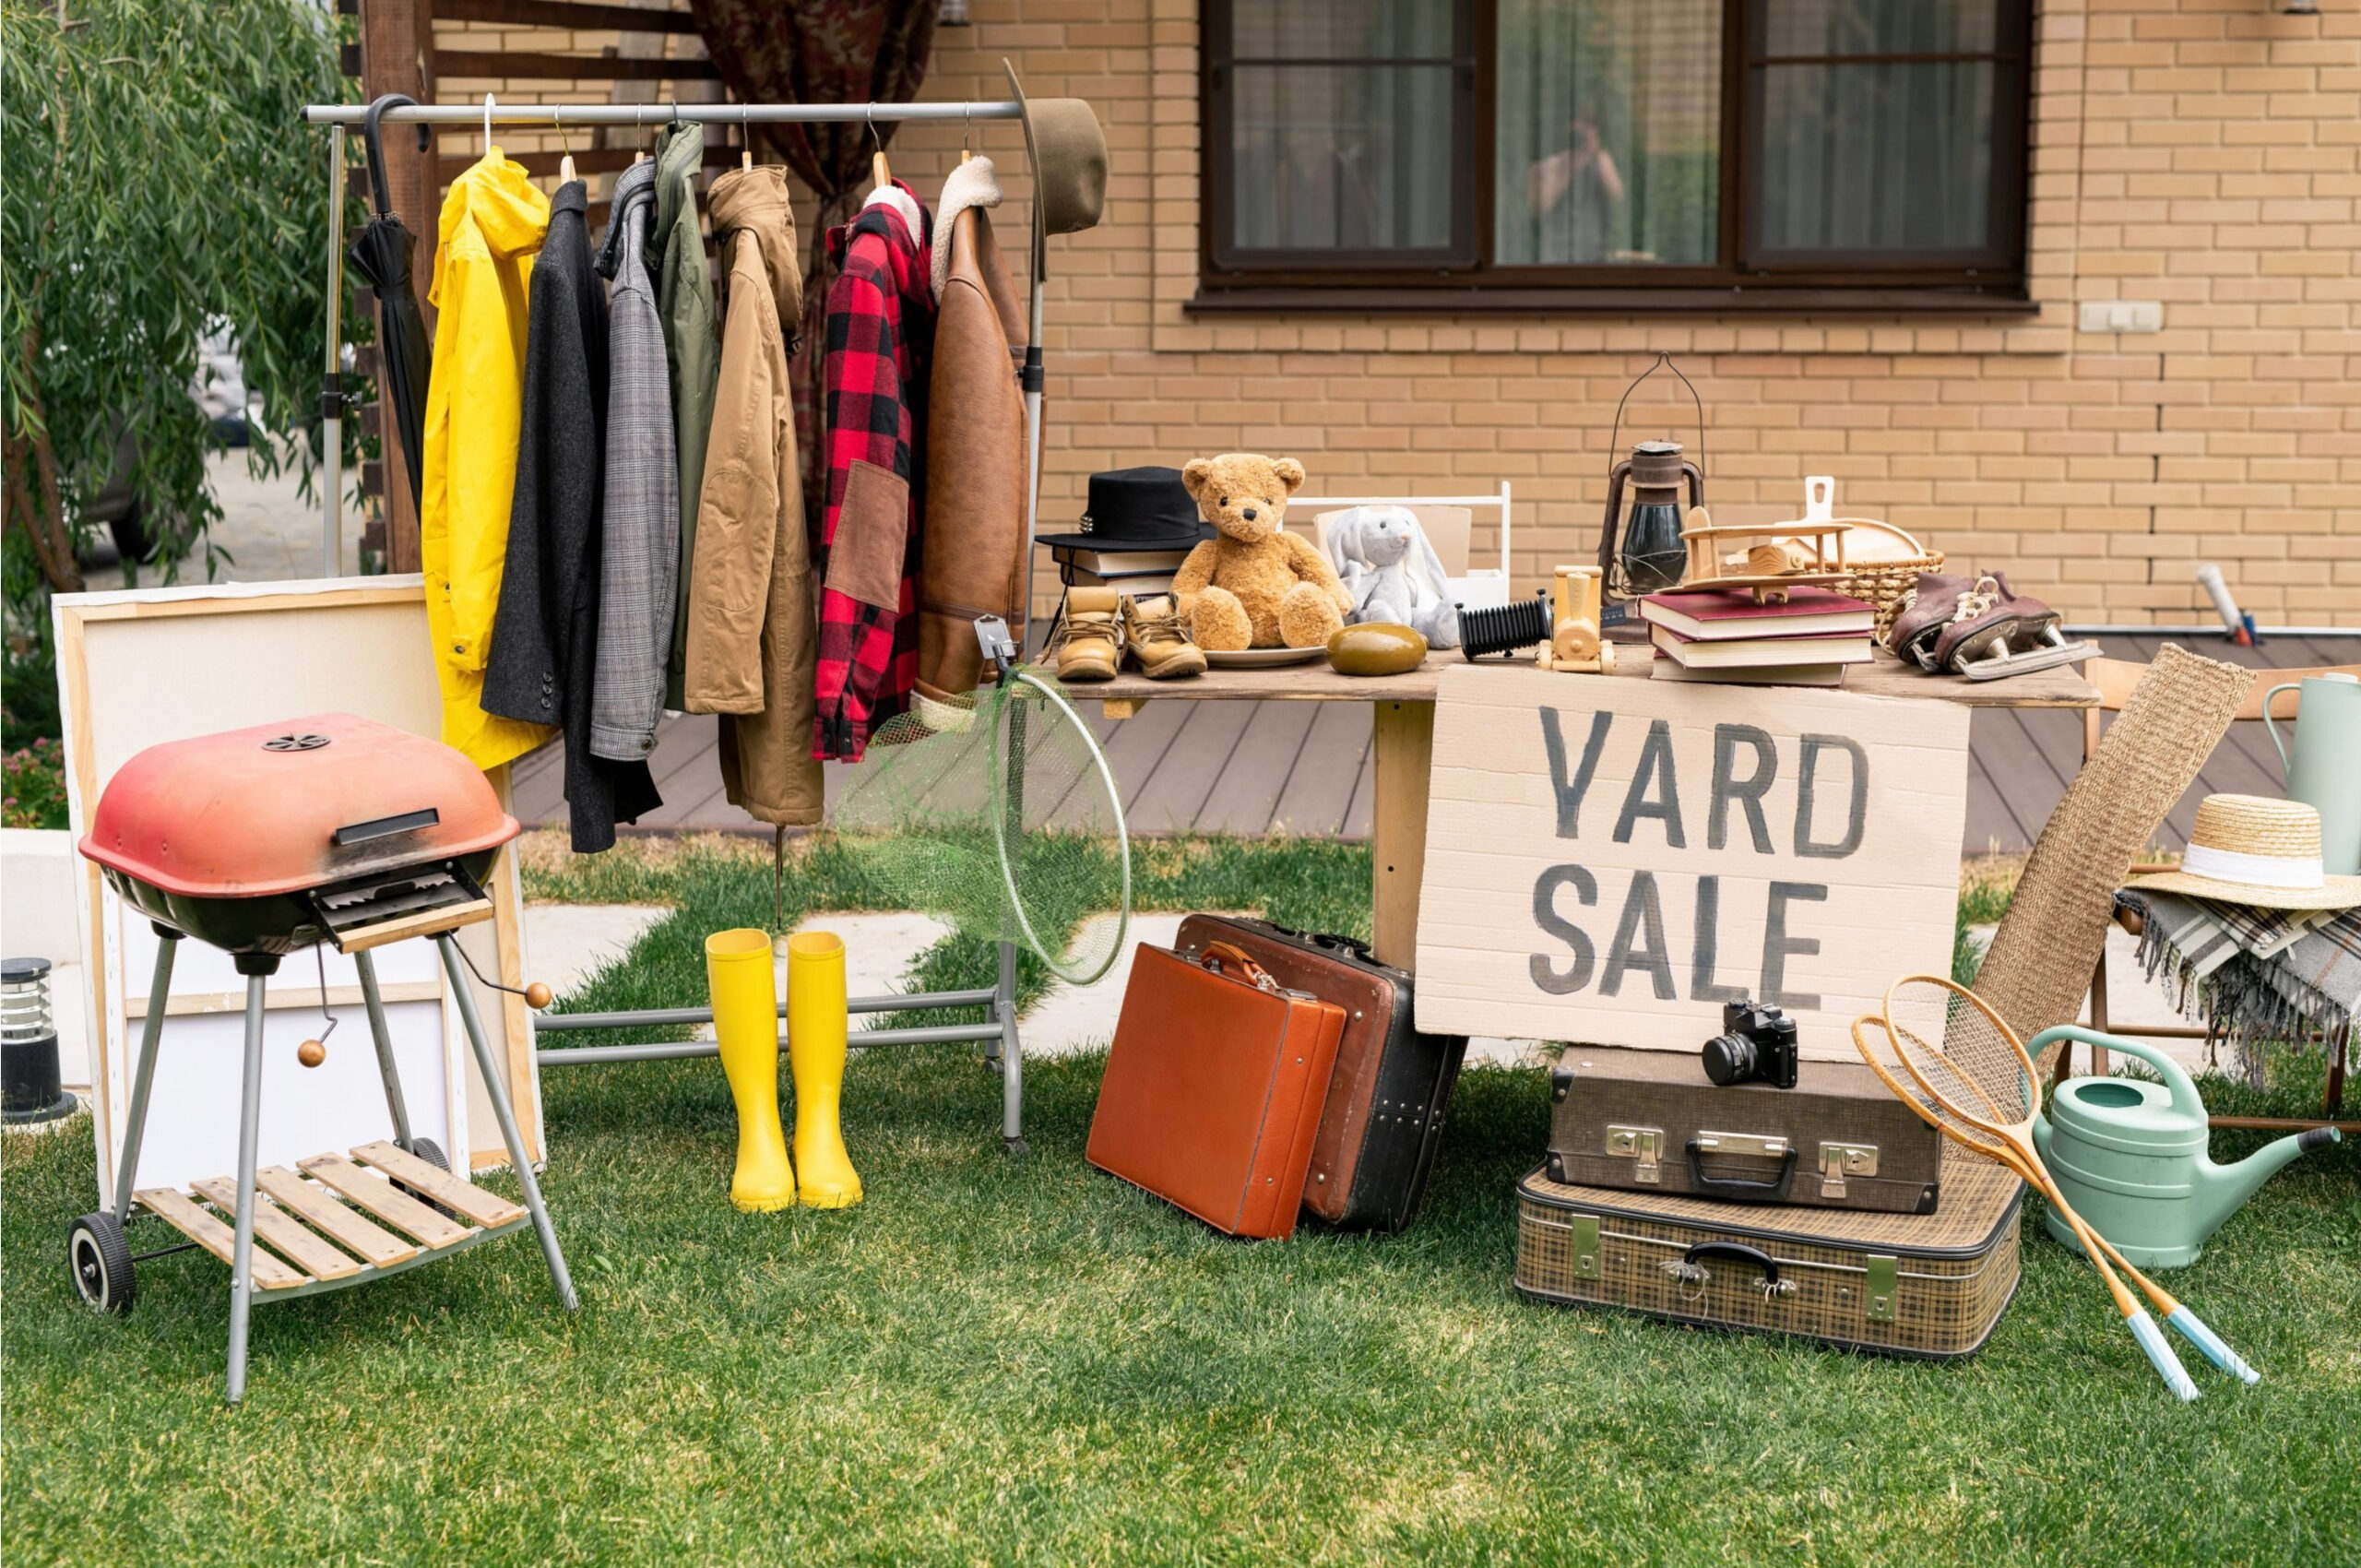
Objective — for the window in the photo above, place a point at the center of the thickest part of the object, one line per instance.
(1533, 154)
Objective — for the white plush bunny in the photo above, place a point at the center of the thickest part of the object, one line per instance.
(1386, 564)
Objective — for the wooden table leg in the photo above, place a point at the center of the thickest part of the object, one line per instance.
(1405, 751)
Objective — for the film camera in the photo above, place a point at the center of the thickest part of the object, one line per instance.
(1756, 1045)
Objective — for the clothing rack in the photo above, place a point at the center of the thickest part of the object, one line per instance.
(998, 1029)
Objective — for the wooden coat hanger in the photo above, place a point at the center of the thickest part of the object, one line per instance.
(880, 175)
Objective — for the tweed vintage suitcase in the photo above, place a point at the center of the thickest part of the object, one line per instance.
(1900, 1284)
(1213, 1088)
(1648, 1119)
(1376, 1145)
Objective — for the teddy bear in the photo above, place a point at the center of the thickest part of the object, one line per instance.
(1255, 584)
(1391, 572)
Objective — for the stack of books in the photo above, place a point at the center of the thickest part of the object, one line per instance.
(1128, 571)
(1808, 641)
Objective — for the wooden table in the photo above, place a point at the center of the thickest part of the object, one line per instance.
(1404, 734)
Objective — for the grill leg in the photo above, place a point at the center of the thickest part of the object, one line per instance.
(1012, 1066)
(366, 963)
(241, 1251)
(496, 1083)
(151, 1030)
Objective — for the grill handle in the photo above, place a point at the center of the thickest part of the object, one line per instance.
(385, 828)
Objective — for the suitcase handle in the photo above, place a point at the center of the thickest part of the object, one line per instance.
(1219, 954)
(1739, 1187)
(1735, 1252)
(1352, 945)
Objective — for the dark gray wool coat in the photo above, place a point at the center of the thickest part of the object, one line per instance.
(545, 634)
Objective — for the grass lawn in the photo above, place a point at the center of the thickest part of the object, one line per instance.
(997, 1360)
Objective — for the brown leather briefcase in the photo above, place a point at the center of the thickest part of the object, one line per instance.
(1215, 1087)
(1376, 1146)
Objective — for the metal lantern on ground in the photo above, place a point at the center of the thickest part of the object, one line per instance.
(1643, 553)
(29, 1090)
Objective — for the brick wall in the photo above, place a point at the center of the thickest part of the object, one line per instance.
(2206, 153)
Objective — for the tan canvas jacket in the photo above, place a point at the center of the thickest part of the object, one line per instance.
(753, 637)
(974, 555)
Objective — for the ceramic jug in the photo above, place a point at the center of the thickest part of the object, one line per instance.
(2325, 771)
(2130, 1154)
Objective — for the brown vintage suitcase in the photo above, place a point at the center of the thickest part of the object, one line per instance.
(1376, 1145)
(1213, 1088)
(1928, 1285)
(1649, 1120)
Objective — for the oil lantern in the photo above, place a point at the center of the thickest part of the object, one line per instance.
(1642, 552)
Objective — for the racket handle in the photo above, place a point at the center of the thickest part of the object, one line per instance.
(2194, 1330)
(2151, 1339)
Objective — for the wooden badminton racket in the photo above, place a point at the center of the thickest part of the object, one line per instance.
(1999, 1086)
(2176, 1313)
(1964, 1110)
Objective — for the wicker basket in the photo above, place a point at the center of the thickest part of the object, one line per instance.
(1884, 585)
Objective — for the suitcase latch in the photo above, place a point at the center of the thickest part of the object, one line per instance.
(1884, 1283)
(1840, 1161)
(1643, 1143)
(1585, 1228)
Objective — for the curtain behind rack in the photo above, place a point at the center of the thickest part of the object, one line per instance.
(819, 51)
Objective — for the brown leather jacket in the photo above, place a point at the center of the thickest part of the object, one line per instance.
(975, 550)
(753, 637)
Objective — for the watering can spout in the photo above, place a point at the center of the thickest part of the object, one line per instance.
(2222, 1188)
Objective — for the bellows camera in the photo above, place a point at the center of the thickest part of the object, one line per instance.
(1756, 1045)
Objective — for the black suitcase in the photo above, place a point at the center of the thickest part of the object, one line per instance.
(1376, 1145)
(1653, 1120)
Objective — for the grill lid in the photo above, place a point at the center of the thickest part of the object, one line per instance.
(280, 808)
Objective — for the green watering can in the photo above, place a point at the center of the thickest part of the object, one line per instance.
(2130, 1154)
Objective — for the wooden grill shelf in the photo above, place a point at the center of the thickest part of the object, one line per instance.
(348, 1223)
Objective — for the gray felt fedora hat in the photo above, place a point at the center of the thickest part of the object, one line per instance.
(1069, 156)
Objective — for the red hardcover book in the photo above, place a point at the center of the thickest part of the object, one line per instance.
(1720, 617)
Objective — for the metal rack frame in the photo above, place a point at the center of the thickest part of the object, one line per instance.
(999, 1028)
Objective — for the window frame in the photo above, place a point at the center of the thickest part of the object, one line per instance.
(1219, 197)
(1990, 279)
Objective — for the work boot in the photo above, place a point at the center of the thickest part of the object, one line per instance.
(1155, 637)
(1088, 643)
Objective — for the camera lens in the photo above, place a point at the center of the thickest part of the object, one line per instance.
(1729, 1059)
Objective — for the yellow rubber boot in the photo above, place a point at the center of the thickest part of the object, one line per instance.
(815, 1049)
(745, 1020)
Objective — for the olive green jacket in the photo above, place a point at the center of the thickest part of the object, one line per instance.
(691, 349)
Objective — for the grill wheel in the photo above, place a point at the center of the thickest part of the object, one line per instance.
(100, 1261)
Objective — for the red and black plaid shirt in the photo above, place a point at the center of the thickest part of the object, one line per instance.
(881, 337)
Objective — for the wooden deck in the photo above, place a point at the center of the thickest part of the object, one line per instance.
(1307, 767)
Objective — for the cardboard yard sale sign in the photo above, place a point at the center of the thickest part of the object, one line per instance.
(1610, 860)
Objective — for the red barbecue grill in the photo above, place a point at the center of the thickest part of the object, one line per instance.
(263, 842)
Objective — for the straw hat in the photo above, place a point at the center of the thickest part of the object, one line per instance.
(2249, 850)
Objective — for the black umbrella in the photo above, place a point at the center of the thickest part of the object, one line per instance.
(381, 252)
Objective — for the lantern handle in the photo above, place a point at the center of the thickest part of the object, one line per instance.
(1663, 362)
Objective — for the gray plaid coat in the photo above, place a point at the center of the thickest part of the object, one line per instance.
(642, 540)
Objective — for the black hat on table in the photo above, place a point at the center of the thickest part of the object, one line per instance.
(1145, 509)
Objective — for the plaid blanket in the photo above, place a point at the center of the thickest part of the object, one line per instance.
(2258, 975)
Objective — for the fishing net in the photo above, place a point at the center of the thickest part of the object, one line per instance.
(998, 812)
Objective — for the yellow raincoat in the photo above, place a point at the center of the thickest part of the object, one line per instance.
(493, 222)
